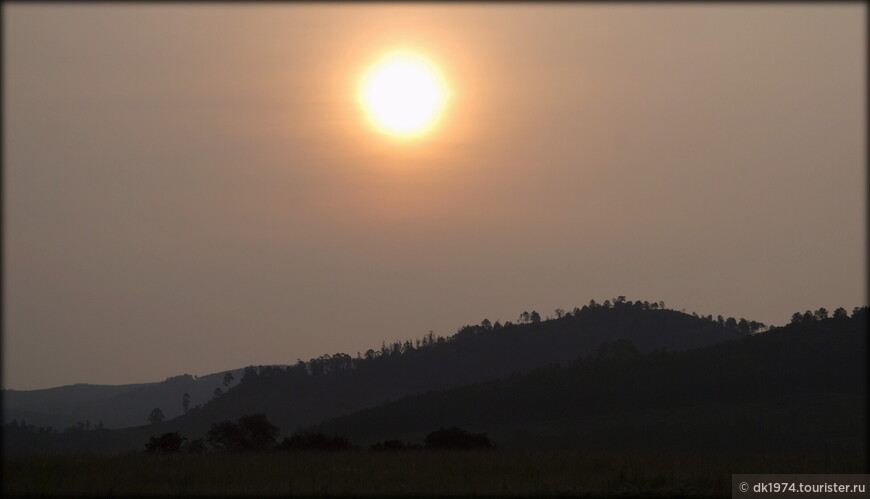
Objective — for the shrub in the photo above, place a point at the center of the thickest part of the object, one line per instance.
(253, 433)
(393, 445)
(309, 441)
(456, 439)
(166, 443)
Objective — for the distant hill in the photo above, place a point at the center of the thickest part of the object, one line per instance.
(795, 388)
(63, 395)
(115, 406)
(332, 385)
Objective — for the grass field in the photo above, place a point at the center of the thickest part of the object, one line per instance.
(409, 473)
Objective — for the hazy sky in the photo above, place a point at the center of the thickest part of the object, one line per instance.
(194, 188)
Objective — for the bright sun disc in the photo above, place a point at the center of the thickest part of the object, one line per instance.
(403, 94)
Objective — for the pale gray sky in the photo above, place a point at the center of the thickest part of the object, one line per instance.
(193, 188)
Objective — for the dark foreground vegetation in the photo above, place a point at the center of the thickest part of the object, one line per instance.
(254, 433)
(441, 473)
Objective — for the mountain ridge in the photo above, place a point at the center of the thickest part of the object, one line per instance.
(792, 388)
(331, 385)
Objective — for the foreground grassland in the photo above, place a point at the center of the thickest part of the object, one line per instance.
(406, 473)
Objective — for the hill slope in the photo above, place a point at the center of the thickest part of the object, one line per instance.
(799, 387)
(115, 406)
(338, 384)
(332, 385)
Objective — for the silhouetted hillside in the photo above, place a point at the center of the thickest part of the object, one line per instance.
(332, 385)
(798, 387)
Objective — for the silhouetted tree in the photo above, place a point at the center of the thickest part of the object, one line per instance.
(731, 323)
(253, 433)
(535, 317)
(249, 374)
(165, 444)
(259, 433)
(559, 313)
(228, 379)
(309, 441)
(840, 313)
(821, 313)
(156, 416)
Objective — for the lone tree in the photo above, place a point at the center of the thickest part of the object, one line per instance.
(228, 378)
(156, 416)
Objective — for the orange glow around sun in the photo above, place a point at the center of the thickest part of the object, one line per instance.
(403, 94)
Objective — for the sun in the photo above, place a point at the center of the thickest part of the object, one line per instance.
(403, 94)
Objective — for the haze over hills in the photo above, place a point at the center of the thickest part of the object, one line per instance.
(333, 385)
(111, 406)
